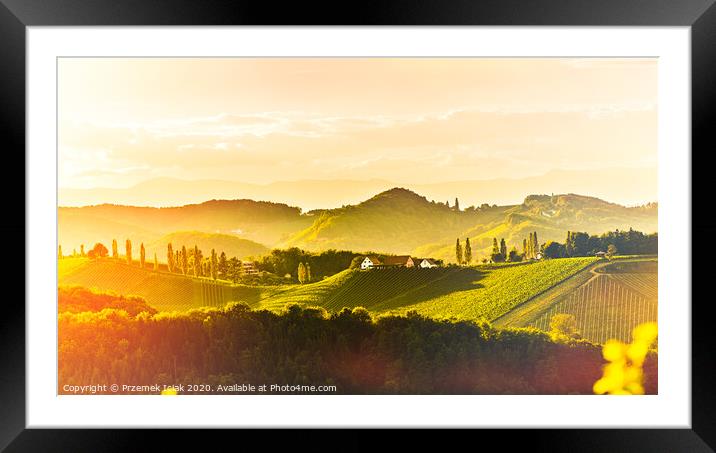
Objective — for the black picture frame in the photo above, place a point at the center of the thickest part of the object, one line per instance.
(699, 15)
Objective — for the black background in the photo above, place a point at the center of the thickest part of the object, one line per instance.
(15, 15)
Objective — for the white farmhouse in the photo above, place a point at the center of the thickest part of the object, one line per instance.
(426, 262)
(369, 262)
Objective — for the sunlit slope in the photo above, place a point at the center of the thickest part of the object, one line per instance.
(67, 266)
(309, 294)
(353, 288)
(615, 298)
(163, 291)
(486, 292)
(483, 292)
(395, 221)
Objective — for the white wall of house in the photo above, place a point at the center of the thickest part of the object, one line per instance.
(366, 264)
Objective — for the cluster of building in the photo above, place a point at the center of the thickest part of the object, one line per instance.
(249, 268)
(374, 262)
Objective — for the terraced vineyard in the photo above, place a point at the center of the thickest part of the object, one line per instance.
(371, 289)
(66, 266)
(617, 297)
(482, 292)
(163, 291)
(311, 294)
(486, 292)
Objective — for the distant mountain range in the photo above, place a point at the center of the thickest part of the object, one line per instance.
(628, 186)
(394, 221)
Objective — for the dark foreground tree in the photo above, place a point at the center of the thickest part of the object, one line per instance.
(408, 354)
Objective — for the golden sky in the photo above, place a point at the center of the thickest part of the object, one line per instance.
(123, 121)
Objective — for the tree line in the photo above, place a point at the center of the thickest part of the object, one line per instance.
(630, 242)
(358, 353)
(291, 264)
(304, 266)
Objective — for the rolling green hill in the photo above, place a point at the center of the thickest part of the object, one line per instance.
(163, 291)
(396, 221)
(401, 221)
(481, 292)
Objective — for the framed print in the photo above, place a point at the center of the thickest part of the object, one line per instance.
(386, 225)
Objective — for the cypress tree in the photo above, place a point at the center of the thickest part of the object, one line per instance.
(457, 205)
(213, 264)
(184, 260)
(458, 251)
(128, 250)
(530, 247)
(503, 248)
(222, 266)
(568, 247)
(536, 245)
(495, 247)
(82, 250)
(197, 262)
(142, 255)
(524, 248)
(170, 257)
(59, 252)
(468, 251)
(115, 252)
(156, 263)
(301, 273)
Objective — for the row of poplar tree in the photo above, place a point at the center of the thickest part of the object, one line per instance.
(192, 261)
(530, 250)
(184, 261)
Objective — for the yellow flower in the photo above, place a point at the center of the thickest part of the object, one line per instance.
(623, 375)
(613, 350)
(637, 352)
(645, 333)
